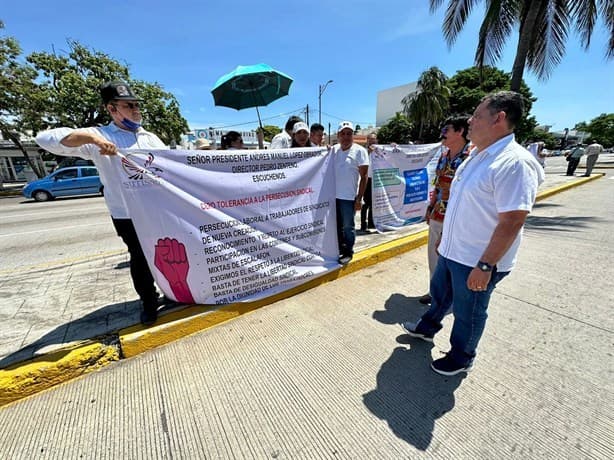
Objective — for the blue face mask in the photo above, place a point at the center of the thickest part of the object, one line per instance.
(131, 125)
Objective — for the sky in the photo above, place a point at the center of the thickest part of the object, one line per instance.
(364, 46)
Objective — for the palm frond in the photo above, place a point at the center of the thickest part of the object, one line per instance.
(550, 37)
(433, 5)
(456, 15)
(607, 12)
(585, 14)
(498, 23)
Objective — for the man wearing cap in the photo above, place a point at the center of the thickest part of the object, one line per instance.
(351, 162)
(100, 144)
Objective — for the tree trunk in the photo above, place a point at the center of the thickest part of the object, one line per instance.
(525, 38)
(9, 135)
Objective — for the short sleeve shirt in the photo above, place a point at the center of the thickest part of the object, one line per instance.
(501, 178)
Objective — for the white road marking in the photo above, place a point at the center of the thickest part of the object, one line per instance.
(50, 229)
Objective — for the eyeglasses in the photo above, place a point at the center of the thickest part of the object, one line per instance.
(131, 105)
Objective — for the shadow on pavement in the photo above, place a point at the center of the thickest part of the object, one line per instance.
(559, 223)
(101, 322)
(409, 396)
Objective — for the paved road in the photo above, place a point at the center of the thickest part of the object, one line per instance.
(34, 233)
(327, 374)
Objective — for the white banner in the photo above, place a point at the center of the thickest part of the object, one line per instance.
(224, 226)
(402, 183)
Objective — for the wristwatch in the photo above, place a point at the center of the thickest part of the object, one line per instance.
(485, 267)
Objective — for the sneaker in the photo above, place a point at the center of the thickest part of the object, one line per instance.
(447, 366)
(149, 317)
(426, 299)
(344, 260)
(412, 329)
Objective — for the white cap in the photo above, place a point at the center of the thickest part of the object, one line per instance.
(300, 126)
(344, 125)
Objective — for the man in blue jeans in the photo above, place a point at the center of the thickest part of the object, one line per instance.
(351, 163)
(491, 195)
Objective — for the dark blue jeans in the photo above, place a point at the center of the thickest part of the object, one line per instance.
(449, 288)
(346, 235)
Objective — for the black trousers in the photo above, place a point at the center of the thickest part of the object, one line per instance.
(366, 211)
(142, 278)
(572, 164)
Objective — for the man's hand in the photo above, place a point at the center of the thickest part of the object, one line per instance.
(106, 147)
(478, 280)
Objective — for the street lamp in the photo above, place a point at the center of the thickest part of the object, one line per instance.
(321, 89)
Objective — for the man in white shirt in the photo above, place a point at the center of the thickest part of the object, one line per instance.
(592, 153)
(492, 193)
(283, 140)
(351, 167)
(100, 144)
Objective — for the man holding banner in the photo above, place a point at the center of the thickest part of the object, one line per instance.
(100, 144)
(492, 193)
(351, 168)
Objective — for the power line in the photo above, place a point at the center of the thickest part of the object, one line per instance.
(281, 115)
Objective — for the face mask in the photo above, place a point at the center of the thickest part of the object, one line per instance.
(131, 125)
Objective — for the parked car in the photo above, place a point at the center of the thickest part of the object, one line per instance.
(77, 180)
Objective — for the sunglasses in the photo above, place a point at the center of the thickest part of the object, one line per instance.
(131, 105)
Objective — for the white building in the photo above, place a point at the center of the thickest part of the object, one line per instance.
(389, 102)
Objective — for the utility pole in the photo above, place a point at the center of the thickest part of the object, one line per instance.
(307, 114)
(321, 89)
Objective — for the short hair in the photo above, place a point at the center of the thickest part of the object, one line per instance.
(509, 102)
(459, 122)
(291, 121)
(316, 127)
(229, 138)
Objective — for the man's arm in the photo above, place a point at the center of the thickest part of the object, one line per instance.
(362, 186)
(79, 137)
(502, 238)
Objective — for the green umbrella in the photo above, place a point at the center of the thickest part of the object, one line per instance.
(251, 86)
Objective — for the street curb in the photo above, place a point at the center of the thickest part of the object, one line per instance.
(29, 377)
(561, 188)
(25, 379)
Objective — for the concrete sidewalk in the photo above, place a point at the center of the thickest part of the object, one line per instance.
(77, 315)
(327, 373)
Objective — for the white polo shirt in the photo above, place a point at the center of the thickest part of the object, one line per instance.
(51, 140)
(347, 175)
(501, 178)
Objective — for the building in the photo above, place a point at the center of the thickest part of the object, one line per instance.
(13, 165)
(214, 135)
(389, 102)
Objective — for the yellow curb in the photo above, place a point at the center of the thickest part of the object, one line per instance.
(25, 379)
(566, 186)
(176, 325)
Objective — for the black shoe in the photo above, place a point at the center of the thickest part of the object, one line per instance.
(149, 317)
(344, 260)
(446, 366)
(412, 329)
(426, 299)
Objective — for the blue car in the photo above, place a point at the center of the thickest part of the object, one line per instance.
(76, 180)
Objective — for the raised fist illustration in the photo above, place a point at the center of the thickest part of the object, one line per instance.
(171, 260)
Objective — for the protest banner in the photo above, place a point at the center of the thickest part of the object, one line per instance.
(402, 181)
(224, 226)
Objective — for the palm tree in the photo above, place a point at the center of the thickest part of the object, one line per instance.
(543, 28)
(429, 104)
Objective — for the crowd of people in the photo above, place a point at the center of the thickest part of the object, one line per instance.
(484, 187)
